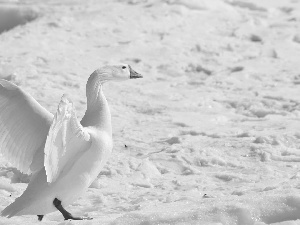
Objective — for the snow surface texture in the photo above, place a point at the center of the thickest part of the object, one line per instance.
(211, 135)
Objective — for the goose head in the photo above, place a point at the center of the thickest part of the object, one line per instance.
(114, 73)
(108, 73)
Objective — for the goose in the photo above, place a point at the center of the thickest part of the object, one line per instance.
(62, 154)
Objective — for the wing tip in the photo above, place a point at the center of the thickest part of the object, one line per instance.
(8, 85)
(49, 173)
(65, 99)
(65, 105)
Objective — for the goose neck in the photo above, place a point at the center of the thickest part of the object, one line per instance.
(97, 113)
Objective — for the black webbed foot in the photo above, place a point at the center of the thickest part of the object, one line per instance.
(40, 217)
(78, 218)
(65, 213)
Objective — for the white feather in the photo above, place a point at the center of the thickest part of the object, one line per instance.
(63, 142)
(23, 127)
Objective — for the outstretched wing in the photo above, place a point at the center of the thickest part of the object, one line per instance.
(24, 125)
(66, 140)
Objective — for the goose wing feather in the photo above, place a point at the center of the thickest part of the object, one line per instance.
(24, 126)
(67, 140)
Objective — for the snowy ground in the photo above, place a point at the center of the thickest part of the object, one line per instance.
(212, 131)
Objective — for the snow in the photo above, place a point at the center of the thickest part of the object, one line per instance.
(210, 135)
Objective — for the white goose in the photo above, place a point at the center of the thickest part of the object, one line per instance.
(63, 155)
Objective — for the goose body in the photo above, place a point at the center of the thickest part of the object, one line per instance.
(63, 155)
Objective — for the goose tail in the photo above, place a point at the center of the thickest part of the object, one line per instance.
(13, 209)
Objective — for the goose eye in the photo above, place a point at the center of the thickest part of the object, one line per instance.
(123, 67)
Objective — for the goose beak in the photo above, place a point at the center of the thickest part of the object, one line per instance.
(133, 74)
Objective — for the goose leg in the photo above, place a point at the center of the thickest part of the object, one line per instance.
(65, 213)
(40, 217)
